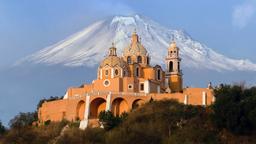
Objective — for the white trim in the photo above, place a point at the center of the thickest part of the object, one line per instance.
(121, 72)
(84, 123)
(112, 72)
(66, 95)
(100, 73)
(146, 86)
(186, 99)
(158, 89)
(108, 105)
(213, 99)
(204, 98)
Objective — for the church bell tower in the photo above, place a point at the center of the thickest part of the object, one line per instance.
(173, 72)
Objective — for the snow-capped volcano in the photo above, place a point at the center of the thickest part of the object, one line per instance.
(89, 46)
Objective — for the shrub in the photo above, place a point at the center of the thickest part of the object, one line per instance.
(110, 121)
(23, 119)
(87, 136)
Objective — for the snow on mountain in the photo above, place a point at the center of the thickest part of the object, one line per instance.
(89, 46)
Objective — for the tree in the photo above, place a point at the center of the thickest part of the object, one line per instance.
(2, 128)
(234, 108)
(23, 119)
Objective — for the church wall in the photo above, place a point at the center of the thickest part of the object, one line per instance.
(54, 110)
(129, 81)
(77, 91)
(195, 95)
(114, 85)
(149, 73)
(176, 83)
(60, 109)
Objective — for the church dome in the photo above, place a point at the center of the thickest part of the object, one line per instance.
(113, 61)
(135, 48)
(173, 46)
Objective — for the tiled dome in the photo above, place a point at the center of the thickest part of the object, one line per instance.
(135, 48)
(113, 61)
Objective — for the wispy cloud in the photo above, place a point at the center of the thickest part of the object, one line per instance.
(243, 13)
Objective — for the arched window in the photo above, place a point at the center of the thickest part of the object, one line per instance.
(137, 72)
(158, 74)
(170, 66)
(106, 72)
(148, 60)
(178, 66)
(129, 61)
(139, 59)
(116, 72)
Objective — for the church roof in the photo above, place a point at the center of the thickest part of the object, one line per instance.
(135, 48)
(113, 61)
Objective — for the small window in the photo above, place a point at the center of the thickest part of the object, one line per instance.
(170, 66)
(106, 83)
(116, 72)
(137, 72)
(179, 66)
(142, 86)
(106, 72)
(139, 59)
(158, 74)
(130, 86)
(148, 60)
(129, 61)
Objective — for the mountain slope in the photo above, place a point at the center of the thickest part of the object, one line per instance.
(89, 46)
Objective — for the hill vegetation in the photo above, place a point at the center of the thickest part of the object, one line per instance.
(232, 119)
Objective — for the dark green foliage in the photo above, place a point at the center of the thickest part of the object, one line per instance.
(47, 122)
(162, 121)
(2, 129)
(33, 135)
(23, 119)
(235, 109)
(110, 121)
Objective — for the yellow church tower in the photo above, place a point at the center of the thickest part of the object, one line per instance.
(173, 72)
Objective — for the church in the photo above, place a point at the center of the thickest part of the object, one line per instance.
(124, 83)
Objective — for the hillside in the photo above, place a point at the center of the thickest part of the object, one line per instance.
(230, 120)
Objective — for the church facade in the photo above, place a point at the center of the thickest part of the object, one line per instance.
(124, 83)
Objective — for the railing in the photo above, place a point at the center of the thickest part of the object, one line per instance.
(104, 93)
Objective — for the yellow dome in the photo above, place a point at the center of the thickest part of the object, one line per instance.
(135, 48)
(113, 61)
(173, 46)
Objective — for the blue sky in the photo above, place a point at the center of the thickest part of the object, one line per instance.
(27, 26)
